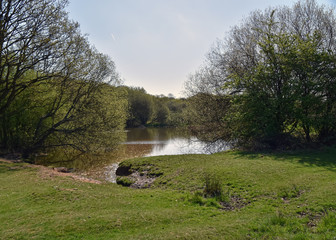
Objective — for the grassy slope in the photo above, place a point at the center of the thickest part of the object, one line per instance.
(288, 196)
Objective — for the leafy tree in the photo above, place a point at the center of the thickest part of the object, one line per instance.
(56, 89)
(208, 123)
(179, 111)
(33, 36)
(170, 111)
(162, 113)
(141, 107)
(277, 70)
(160, 110)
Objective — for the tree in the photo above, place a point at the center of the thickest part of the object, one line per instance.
(141, 107)
(32, 38)
(161, 112)
(277, 69)
(56, 89)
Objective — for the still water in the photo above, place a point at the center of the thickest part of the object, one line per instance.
(164, 141)
(139, 142)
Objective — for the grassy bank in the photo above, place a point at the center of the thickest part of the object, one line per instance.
(265, 196)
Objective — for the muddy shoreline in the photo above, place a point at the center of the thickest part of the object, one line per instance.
(48, 172)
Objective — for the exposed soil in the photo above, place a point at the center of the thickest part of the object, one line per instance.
(314, 218)
(47, 172)
(235, 203)
(143, 179)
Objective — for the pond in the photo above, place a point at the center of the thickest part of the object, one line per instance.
(140, 142)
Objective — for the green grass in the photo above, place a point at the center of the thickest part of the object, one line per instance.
(267, 196)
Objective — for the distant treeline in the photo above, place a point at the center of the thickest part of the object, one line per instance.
(155, 111)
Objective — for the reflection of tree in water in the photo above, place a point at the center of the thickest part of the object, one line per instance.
(136, 150)
(94, 165)
(148, 134)
(79, 162)
(140, 134)
(155, 134)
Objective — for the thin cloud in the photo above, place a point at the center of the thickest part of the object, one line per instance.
(156, 44)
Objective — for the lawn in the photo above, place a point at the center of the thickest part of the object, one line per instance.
(264, 196)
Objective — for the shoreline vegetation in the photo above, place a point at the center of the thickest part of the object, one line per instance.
(230, 195)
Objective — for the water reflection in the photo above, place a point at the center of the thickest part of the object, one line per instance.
(139, 135)
(139, 143)
(170, 142)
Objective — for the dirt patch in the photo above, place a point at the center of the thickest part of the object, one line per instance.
(142, 180)
(314, 218)
(234, 203)
(136, 179)
(55, 172)
(46, 172)
(143, 177)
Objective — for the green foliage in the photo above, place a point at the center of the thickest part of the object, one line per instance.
(179, 110)
(197, 198)
(56, 90)
(208, 117)
(281, 86)
(162, 113)
(213, 194)
(287, 89)
(327, 223)
(141, 107)
(96, 125)
(149, 110)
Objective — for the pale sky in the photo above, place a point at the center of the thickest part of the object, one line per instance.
(156, 44)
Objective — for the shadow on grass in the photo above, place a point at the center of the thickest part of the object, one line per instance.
(7, 168)
(3, 168)
(324, 157)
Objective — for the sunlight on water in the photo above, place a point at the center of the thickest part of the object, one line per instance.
(178, 146)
